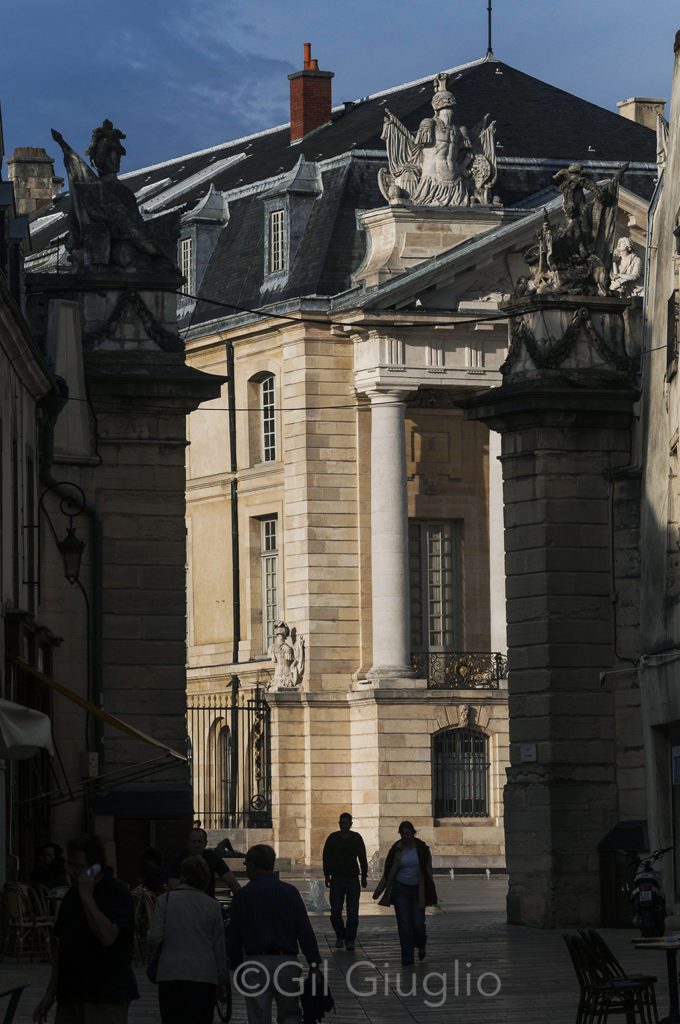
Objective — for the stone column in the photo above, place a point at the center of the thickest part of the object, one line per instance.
(389, 540)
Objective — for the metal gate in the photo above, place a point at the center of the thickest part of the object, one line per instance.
(230, 754)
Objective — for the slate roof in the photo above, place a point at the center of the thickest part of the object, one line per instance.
(537, 126)
(533, 120)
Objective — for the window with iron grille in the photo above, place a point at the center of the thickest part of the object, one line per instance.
(269, 557)
(460, 774)
(185, 255)
(277, 256)
(433, 585)
(268, 420)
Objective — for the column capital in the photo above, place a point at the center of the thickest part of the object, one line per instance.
(386, 395)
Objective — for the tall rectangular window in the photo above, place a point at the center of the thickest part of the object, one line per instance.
(269, 558)
(277, 255)
(268, 420)
(185, 255)
(672, 331)
(433, 585)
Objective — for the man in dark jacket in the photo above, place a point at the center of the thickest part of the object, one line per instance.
(344, 855)
(92, 979)
(267, 925)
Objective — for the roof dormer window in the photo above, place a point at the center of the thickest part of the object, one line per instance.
(277, 233)
(186, 260)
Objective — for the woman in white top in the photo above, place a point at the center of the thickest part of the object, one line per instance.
(407, 885)
(192, 968)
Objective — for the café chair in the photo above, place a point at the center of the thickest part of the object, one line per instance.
(602, 996)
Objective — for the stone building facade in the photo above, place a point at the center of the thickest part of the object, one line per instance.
(347, 629)
(26, 381)
(660, 422)
(93, 453)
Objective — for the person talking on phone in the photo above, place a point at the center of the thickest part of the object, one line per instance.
(92, 979)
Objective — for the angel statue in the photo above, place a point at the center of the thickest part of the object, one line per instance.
(287, 651)
(443, 165)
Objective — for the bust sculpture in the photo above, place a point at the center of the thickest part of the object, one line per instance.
(627, 277)
(443, 164)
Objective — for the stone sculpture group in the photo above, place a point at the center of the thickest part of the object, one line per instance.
(106, 228)
(443, 164)
(575, 258)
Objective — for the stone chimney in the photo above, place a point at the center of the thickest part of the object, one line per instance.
(642, 109)
(310, 97)
(35, 183)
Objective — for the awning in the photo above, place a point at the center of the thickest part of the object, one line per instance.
(117, 723)
(23, 732)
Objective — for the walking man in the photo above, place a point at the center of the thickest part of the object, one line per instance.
(344, 855)
(268, 922)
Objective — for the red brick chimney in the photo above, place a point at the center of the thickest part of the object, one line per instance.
(310, 97)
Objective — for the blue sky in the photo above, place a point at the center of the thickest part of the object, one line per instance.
(181, 75)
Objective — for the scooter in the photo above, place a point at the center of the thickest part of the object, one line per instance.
(648, 899)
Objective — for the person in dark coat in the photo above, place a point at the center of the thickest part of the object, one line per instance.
(196, 847)
(92, 978)
(268, 924)
(408, 886)
(344, 856)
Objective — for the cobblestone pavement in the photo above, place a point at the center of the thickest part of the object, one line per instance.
(478, 970)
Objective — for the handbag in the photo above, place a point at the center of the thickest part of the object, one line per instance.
(152, 968)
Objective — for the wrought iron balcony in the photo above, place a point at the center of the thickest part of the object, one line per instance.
(460, 670)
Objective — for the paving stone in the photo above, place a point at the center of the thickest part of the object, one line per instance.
(471, 950)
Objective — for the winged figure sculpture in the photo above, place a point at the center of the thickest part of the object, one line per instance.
(442, 164)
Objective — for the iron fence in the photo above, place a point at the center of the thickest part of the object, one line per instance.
(460, 670)
(230, 747)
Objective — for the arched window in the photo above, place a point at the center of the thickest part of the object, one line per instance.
(263, 445)
(268, 411)
(460, 774)
(218, 804)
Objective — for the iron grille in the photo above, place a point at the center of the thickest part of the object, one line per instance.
(460, 771)
(230, 760)
(460, 671)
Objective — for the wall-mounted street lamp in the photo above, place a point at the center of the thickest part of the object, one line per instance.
(72, 502)
(71, 550)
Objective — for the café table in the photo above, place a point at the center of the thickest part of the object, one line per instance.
(670, 946)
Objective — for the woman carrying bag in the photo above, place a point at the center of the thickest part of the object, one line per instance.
(192, 965)
(408, 886)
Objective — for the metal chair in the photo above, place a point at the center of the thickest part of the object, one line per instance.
(144, 903)
(602, 996)
(606, 957)
(27, 929)
(18, 921)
